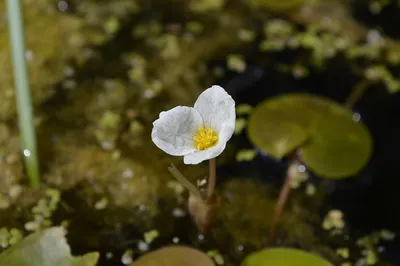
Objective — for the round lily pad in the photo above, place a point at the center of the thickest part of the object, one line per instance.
(330, 142)
(284, 257)
(175, 256)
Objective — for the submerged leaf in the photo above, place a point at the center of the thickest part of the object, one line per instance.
(175, 256)
(331, 143)
(284, 257)
(45, 248)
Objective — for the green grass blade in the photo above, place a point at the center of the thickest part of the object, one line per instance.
(23, 93)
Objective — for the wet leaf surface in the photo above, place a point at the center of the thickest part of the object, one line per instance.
(284, 257)
(175, 256)
(330, 142)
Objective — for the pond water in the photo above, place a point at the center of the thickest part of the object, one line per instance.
(106, 70)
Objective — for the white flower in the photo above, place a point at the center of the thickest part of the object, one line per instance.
(198, 133)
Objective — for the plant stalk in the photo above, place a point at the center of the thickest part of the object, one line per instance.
(356, 93)
(184, 181)
(211, 178)
(23, 93)
(283, 196)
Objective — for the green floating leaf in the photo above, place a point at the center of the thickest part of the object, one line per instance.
(175, 256)
(277, 125)
(45, 248)
(331, 143)
(284, 257)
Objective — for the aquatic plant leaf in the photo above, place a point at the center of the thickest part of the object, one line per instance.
(340, 147)
(46, 248)
(175, 256)
(278, 5)
(284, 257)
(277, 126)
(330, 142)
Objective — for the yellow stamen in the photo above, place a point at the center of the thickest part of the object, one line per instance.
(205, 138)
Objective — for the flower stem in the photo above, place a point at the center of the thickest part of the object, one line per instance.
(184, 181)
(211, 179)
(356, 93)
(283, 196)
(23, 93)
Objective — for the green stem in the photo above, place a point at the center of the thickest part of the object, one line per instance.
(280, 204)
(211, 179)
(184, 181)
(356, 93)
(23, 93)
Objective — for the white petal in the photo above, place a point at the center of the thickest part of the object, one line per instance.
(173, 131)
(217, 108)
(198, 156)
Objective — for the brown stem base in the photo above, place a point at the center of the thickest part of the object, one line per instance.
(202, 204)
(203, 211)
(283, 196)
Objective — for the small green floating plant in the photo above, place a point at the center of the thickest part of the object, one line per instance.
(23, 93)
(198, 133)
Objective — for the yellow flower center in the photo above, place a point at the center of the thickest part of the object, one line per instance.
(205, 138)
